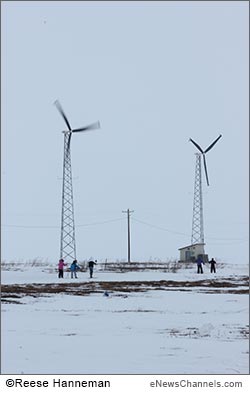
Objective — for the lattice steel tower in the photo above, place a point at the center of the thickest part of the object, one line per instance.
(68, 242)
(197, 222)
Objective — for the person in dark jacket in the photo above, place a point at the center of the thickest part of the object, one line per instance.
(213, 267)
(91, 268)
(199, 262)
(73, 268)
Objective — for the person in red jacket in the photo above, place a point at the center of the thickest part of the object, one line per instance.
(61, 264)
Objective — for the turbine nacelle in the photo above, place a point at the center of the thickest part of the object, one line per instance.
(204, 153)
(92, 126)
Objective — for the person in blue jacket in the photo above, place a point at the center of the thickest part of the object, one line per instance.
(73, 268)
(199, 262)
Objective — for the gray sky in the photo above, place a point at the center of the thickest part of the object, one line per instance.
(154, 74)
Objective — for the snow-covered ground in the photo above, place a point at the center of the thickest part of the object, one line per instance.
(156, 331)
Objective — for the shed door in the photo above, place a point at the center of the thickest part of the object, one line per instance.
(187, 255)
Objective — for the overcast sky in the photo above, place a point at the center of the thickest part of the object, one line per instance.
(154, 74)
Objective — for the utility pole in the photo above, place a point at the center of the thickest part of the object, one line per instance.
(128, 217)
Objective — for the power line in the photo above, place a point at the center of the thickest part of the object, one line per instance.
(103, 222)
(159, 227)
(30, 226)
(56, 227)
(185, 234)
(236, 241)
(228, 239)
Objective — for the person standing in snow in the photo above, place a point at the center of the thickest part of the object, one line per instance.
(212, 268)
(91, 268)
(199, 262)
(61, 264)
(73, 268)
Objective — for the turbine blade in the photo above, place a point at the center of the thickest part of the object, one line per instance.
(205, 167)
(59, 107)
(197, 145)
(68, 146)
(211, 145)
(93, 126)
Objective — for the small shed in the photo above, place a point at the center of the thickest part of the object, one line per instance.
(192, 252)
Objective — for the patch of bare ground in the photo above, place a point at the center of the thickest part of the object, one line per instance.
(228, 332)
(238, 285)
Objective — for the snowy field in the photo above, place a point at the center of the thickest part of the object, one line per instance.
(152, 322)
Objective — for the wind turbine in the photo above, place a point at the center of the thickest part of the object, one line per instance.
(197, 222)
(68, 244)
(204, 153)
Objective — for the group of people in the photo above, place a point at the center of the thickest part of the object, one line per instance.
(73, 268)
(200, 262)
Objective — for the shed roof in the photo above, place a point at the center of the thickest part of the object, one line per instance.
(192, 245)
